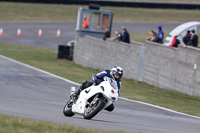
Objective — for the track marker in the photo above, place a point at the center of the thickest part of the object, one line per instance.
(1, 31)
(40, 33)
(18, 32)
(58, 33)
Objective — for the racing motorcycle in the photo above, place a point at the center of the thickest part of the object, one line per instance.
(92, 99)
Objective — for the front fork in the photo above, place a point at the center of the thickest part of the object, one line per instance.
(95, 99)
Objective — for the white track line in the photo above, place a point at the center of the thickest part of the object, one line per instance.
(53, 75)
(29, 66)
(162, 108)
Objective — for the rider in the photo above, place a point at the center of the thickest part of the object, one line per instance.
(116, 73)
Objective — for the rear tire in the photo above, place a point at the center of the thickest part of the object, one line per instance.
(93, 112)
(67, 111)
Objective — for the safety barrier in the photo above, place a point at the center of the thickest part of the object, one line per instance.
(162, 66)
(165, 5)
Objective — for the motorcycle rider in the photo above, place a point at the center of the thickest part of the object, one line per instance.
(115, 73)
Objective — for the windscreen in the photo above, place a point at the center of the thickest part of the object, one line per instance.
(113, 83)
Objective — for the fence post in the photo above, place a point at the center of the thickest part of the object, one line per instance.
(141, 63)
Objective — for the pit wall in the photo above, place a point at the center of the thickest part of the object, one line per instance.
(155, 64)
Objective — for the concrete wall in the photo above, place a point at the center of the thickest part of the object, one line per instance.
(187, 76)
(155, 64)
(160, 65)
(172, 68)
(99, 54)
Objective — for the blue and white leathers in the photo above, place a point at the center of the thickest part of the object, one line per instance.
(106, 73)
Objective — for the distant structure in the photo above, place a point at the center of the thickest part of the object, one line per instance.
(93, 22)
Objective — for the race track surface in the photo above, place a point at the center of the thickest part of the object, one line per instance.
(29, 93)
(29, 32)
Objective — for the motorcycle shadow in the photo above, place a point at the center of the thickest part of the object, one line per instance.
(100, 120)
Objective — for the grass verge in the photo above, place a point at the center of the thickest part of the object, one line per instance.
(10, 124)
(47, 60)
(18, 12)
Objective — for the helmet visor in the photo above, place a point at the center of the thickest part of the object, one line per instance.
(117, 76)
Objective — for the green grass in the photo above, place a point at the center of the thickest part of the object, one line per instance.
(10, 124)
(12, 12)
(139, 37)
(24, 12)
(155, 15)
(47, 60)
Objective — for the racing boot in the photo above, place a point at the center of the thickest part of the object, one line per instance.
(75, 95)
(77, 92)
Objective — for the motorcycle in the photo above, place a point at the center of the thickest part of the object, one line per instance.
(92, 99)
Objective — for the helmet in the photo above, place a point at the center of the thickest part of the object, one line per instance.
(116, 72)
(159, 27)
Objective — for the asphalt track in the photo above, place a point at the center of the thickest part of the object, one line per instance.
(31, 93)
(29, 32)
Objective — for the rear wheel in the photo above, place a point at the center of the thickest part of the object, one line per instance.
(67, 110)
(94, 108)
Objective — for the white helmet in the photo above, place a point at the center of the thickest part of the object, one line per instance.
(116, 72)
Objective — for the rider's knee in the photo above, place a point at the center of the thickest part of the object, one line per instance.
(85, 84)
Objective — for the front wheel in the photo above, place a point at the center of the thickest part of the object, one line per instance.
(93, 109)
(67, 110)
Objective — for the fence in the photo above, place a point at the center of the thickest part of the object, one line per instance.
(137, 4)
(155, 64)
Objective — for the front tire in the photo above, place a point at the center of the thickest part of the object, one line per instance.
(67, 110)
(90, 113)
